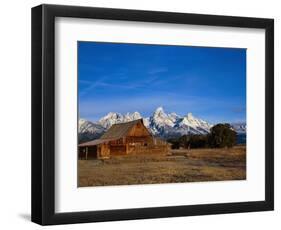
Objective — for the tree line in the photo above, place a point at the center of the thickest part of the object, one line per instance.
(220, 136)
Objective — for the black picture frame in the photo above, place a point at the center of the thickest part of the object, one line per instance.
(43, 114)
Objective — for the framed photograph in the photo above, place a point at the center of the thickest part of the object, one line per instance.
(142, 114)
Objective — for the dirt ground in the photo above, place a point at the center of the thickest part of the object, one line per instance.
(180, 166)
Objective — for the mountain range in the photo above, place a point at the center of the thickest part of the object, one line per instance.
(160, 124)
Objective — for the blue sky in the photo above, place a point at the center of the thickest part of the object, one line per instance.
(209, 82)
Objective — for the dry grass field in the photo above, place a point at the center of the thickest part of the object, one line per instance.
(180, 166)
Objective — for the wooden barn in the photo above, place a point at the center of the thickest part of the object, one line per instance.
(123, 139)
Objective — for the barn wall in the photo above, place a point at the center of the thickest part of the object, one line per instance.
(117, 150)
(139, 139)
(150, 149)
(103, 151)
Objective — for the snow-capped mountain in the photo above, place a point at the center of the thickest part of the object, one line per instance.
(167, 125)
(132, 116)
(160, 124)
(115, 118)
(195, 125)
(239, 127)
(111, 119)
(88, 130)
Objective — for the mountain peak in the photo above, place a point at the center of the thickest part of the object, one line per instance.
(239, 127)
(111, 115)
(160, 109)
(132, 116)
(159, 113)
(136, 114)
(82, 120)
(190, 116)
(110, 119)
(160, 119)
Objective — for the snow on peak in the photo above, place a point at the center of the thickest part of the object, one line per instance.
(189, 116)
(110, 119)
(174, 117)
(89, 127)
(82, 121)
(132, 116)
(159, 111)
(115, 118)
(239, 127)
(113, 115)
(161, 119)
(193, 125)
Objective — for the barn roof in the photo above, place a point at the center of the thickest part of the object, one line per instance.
(95, 142)
(120, 130)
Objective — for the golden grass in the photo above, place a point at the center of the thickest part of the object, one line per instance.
(180, 166)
